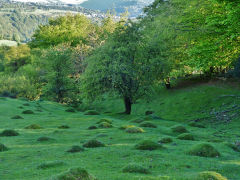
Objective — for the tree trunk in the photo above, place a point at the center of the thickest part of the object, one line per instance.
(128, 105)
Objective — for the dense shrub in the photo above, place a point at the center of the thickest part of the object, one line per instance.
(186, 136)
(135, 168)
(134, 130)
(148, 124)
(203, 150)
(165, 140)
(9, 133)
(147, 145)
(179, 129)
(210, 175)
(75, 149)
(93, 144)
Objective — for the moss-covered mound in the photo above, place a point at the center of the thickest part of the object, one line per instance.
(105, 120)
(179, 129)
(93, 144)
(105, 125)
(165, 140)
(17, 117)
(92, 127)
(3, 148)
(126, 127)
(134, 130)
(53, 164)
(9, 132)
(45, 139)
(34, 126)
(91, 112)
(210, 175)
(203, 150)
(75, 174)
(75, 149)
(28, 112)
(63, 127)
(135, 168)
(186, 136)
(148, 125)
(147, 145)
(70, 110)
(196, 124)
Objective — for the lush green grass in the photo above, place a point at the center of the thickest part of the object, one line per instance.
(177, 107)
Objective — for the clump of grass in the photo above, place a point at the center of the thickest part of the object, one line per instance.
(70, 110)
(93, 144)
(105, 125)
(179, 129)
(52, 164)
(135, 168)
(26, 104)
(63, 127)
(203, 150)
(148, 125)
(28, 112)
(105, 120)
(149, 112)
(165, 140)
(34, 126)
(92, 127)
(196, 124)
(75, 149)
(3, 148)
(102, 135)
(126, 127)
(76, 174)
(147, 145)
(186, 136)
(9, 132)
(17, 117)
(134, 130)
(138, 120)
(210, 175)
(44, 139)
(234, 146)
(91, 112)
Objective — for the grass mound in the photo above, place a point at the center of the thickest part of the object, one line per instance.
(26, 104)
(210, 175)
(63, 127)
(138, 120)
(196, 124)
(70, 110)
(93, 144)
(179, 129)
(186, 136)
(76, 174)
(53, 164)
(126, 127)
(135, 168)
(17, 117)
(105, 125)
(165, 140)
(203, 150)
(9, 132)
(75, 149)
(134, 130)
(44, 139)
(92, 127)
(3, 148)
(147, 145)
(105, 120)
(148, 125)
(91, 112)
(28, 112)
(34, 126)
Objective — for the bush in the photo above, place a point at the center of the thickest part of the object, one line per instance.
(179, 129)
(203, 150)
(76, 174)
(70, 110)
(34, 126)
(44, 139)
(63, 127)
(196, 124)
(91, 112)
(93, 144)
(134, 130)
(105, 120)
(147, 145)
(186, 136)
(148, 124)
(3, 148)
(210, 175)
(17, 117)
(165, 140)
(105, 125)
(92, 127)
(9, 133)
(48, 165)
(75, 149)
(135, 168)
(28, 112)
(126, 127)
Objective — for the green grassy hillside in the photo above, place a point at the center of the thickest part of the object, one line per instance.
(209, 112)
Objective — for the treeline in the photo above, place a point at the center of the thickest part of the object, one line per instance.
(73, 60)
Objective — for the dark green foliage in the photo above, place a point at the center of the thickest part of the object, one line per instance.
(45, 139)
(134, 130)
(186, 136)
(75, 149)
(147, 145)
(135, 168)
(9, 133)
(92, 127)
(235, 146)
(3, 148)
(149, 112)
(34, 126)
(48, 165)
(196, 124)
(210, 175)
(203, 150)
(93, 144)
(105, 120)
(63, 127)
(105, 125)
(26, 104)
(17, 117)
(70, 110)
(138, 120)
(165, 140)
(179, 129)
(76, 174)
(91, 112)
(28, 112)
(148, 124)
